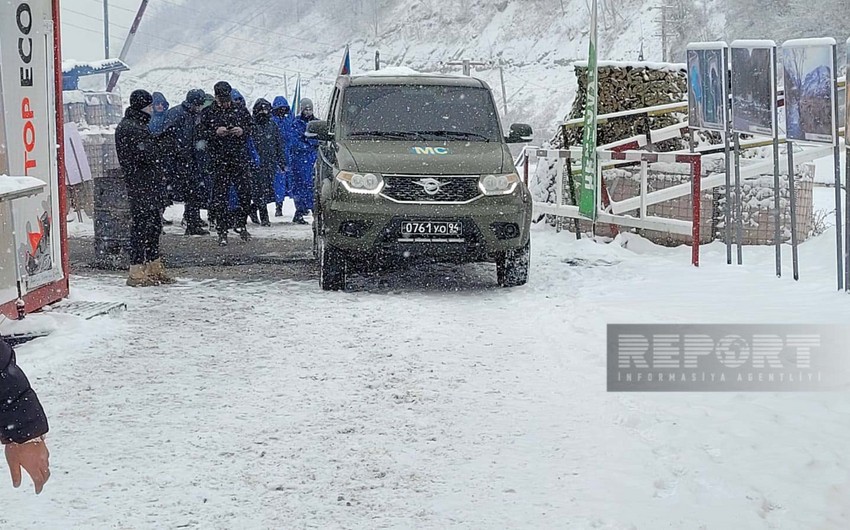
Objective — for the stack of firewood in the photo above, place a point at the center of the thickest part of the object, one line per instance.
(630, 86)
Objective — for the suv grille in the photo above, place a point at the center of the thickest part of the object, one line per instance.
(442, 188)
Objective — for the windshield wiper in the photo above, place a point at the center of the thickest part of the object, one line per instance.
(396, 135)
(458, 134)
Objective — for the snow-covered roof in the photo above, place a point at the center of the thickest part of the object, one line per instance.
(715, 45)
(636, 64)
(97, 66)
(797, 43)
(17, 187)
(751, 44)
(402, 71)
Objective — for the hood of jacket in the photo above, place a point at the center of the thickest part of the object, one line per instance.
(159, 98)
(280, 102)
(237, 96)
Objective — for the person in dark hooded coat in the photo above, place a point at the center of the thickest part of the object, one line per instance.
(267, 158)
(180, 142)
(224, 128)
(303, 154)
(282, 117)
(137, 150)
(23, 423)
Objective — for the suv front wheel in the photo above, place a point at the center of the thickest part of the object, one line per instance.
(512, 266)
(332, 263)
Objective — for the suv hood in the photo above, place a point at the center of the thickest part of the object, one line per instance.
(424, 158)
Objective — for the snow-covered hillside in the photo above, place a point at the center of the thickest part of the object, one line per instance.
(261, 47)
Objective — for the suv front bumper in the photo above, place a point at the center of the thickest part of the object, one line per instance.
(368, 227)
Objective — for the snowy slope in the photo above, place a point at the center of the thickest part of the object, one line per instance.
(261, 47)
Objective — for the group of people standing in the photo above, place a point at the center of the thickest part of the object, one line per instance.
(212, 153)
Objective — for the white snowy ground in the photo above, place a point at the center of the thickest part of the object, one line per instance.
(434, 400)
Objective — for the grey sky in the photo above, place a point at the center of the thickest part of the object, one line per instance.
(82, 26)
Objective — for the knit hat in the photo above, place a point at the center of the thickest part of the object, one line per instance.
(195, 97)
(306, 104)
(222, 89)
(140, 99)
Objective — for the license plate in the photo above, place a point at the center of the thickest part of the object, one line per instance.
(416, 229)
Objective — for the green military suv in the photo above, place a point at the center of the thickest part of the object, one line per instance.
(416, 167)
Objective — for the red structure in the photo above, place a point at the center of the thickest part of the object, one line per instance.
(34, 265)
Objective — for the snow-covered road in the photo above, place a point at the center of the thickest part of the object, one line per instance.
(432, 401)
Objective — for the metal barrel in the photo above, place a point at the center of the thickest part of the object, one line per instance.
(111, 221)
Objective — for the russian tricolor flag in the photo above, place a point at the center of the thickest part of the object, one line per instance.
(345, 67)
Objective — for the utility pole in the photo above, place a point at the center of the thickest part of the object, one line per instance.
(664, 32)
(467, 65)
(377, 60)
(106, 35)
(113, 80)
(504, 92)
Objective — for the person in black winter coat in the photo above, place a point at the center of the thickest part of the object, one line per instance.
(180, 143)
(137, 147)
(23, 423)
(267, 159)
(225, 128)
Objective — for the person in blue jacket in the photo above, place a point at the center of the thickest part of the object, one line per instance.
(179, 139)
(282, 118)
(160, 108)
(157, 126)
(303, 154)
(238, 98)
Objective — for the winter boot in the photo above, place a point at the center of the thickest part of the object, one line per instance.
(278, 209)
(299, 219)
(139, 277)
(156, 271)
(264, 216)
(243, 233)
(222, 239)
(253, 216)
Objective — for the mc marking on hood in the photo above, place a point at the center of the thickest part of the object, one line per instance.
(429, 150)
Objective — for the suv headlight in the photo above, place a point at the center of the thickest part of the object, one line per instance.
(368, 183)
(498, 184)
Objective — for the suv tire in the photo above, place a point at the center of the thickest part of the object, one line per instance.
(512, 266)
(332, 263)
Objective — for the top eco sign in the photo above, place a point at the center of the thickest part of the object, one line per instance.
(23, 18)
(24, 22)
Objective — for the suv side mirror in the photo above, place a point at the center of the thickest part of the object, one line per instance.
(319, 130)
(520, 133)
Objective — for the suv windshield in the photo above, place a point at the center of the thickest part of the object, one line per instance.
(419, 112)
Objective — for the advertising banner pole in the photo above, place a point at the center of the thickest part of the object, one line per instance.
(739, 222)
(777, 190)
(793, 194)
(727, 226)
(837, 162)
(847, 167)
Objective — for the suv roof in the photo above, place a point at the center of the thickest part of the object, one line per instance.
(405, 76)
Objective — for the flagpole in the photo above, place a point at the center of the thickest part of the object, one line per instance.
(587, 206)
